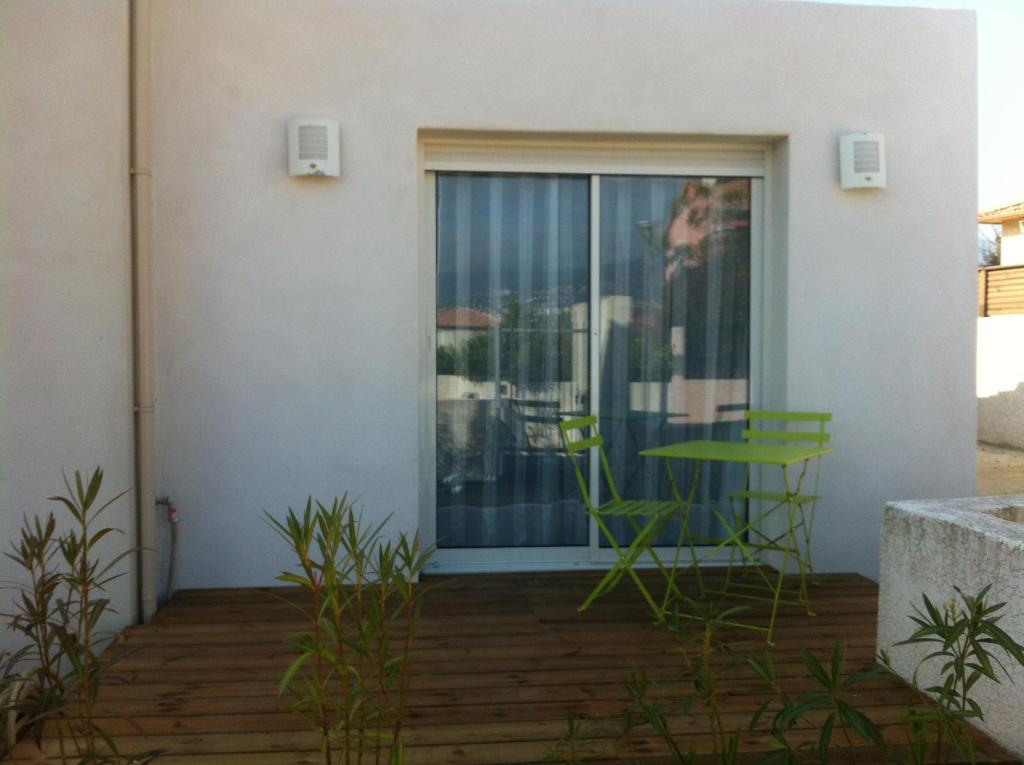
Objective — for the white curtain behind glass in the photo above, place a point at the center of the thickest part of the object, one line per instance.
(675, 329)
(512, 357)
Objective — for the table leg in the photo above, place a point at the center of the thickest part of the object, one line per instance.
(686, 508)
(785, 543)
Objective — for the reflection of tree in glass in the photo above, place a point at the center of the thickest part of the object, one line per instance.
(445, 360)
(990, 244)
(716, 310)
(445, 446)
(536, 344)
(706, 289)
(704, 210)
(649, 363)
(474, 361)
(463, 429)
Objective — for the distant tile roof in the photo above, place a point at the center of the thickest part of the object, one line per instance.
(1002, 214)
(465, 318)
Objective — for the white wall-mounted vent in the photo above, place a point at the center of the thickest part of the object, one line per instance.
(313, 147)
(862, 161)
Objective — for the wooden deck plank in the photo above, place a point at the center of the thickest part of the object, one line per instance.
(501, 662)
(687, 728)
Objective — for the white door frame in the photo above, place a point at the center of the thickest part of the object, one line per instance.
(447, 152)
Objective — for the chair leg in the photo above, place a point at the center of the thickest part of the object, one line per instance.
(807, 525)
(802, 553)
(791, 549)
(636, 550)
(777, 596)
(624, 565)
(609, 582)
(627, 566)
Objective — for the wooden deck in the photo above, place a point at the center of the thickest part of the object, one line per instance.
(502, 662)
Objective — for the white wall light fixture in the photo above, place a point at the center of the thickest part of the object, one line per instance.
(314, 147)
(862, 161)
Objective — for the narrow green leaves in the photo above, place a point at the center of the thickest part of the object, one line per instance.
(59, 607)
(349, 679)
(968, 646)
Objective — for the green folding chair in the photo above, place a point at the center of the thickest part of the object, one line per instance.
(647, 517)
(798, 428)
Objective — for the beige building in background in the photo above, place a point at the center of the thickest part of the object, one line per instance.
(1001, 334)
(1011, 219)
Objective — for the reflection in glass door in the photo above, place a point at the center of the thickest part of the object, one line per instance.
(512, 357)
(675, 330)
(671, 316)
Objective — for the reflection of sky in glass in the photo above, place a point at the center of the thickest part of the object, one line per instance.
(514, 214)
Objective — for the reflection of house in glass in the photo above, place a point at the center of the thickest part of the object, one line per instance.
(456, 326)
(463, 350)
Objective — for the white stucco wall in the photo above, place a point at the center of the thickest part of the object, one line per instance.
(1001, 380)
(289, 342)
(65, 331)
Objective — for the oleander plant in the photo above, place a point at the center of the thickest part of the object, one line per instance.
(822, 721)
(349, 679)
(58, 607)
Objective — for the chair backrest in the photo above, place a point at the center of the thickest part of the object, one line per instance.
(580, 436)
(809, 427)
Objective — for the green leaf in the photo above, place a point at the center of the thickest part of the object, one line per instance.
(861, 723)
(865, 676)
(794, 712)
(814, 667)
(290, 578)
(95, 538)
(289, 673)
(825, 738)
(68, 504)
(94, 487)
(763, 667)
(756, 717)
(838, 658)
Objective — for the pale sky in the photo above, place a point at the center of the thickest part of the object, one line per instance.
(1000, 93)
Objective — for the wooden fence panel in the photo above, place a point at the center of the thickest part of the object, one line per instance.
(1000, 290)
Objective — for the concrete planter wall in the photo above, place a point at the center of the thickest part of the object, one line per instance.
(931, 546)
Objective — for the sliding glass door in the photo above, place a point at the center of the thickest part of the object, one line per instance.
(675, 319)
(512, 357)
(625, 296)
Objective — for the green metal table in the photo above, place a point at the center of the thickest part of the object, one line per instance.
(746, 535)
